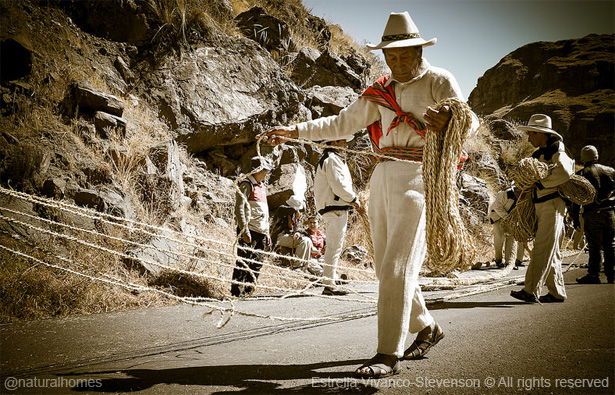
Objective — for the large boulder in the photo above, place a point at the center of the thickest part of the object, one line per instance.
(222, 95)
(329, 100)
(329, 69)
(573, 81)
(282, 182)
(92, 99)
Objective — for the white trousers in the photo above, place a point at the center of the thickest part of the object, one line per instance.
(335, 231)
(500, 238)
(546, 262)
(302, 247)
(397, 217)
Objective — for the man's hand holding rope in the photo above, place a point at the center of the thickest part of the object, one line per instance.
(277, 134)
(437, 121)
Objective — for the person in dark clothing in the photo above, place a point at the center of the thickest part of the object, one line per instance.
(599, 217)
(252, 215)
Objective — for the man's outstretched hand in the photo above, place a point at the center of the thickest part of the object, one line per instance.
(277, 134)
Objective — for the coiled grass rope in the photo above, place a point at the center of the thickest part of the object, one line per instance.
(448, 241)
(521, 221)
(578, 190)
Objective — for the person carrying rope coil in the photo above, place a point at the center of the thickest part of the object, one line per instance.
(401, 110)
(546, 259)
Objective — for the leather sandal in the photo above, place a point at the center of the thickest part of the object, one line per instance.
(377, 367)
(419, 348)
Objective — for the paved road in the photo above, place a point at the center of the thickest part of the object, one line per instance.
(494, 345)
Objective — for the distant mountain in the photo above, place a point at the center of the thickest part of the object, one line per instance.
(573, 81)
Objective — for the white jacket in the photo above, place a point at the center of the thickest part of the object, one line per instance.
(333, 183)
(502, 206)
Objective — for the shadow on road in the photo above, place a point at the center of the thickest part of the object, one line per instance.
(472, 305)
(248, 379)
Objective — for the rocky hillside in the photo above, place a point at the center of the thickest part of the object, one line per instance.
(105, 73)
(571, 80)
(147, 110)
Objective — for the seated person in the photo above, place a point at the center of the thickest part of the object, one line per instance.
(317, 237)
(286, 234)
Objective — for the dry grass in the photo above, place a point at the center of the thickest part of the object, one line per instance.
(30, 290)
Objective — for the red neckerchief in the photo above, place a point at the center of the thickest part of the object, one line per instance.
(385, 96)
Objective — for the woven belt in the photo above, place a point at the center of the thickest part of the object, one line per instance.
(403, 153)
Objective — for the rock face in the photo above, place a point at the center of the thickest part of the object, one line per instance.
(573, 81)
(270, 32)
(222, 95)
(328, 69)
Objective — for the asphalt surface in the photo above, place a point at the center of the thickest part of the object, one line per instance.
(493, 344)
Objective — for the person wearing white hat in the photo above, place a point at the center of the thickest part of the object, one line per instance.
(397, 110)
(546, 259)
(599, 217)
(334, 196)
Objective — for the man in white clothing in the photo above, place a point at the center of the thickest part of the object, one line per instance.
(504, 202)
(334, 197)
(397, 111)
(546, 261)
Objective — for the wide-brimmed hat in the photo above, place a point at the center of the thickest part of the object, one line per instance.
(540, 123)
(401, 31)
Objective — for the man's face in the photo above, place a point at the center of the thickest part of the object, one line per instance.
(403, 62)
(313, 224)
(537, 139)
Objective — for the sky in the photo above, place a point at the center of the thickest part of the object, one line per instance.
(473, 35)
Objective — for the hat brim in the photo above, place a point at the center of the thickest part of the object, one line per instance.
(540, 129)
(411, 42)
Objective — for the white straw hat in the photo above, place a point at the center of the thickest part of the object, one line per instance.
(540, 123)
(401, 31)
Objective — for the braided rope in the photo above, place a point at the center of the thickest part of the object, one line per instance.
(448, 241)
(521, 222)
(136, 226)
(578, 190)
(136, 287)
